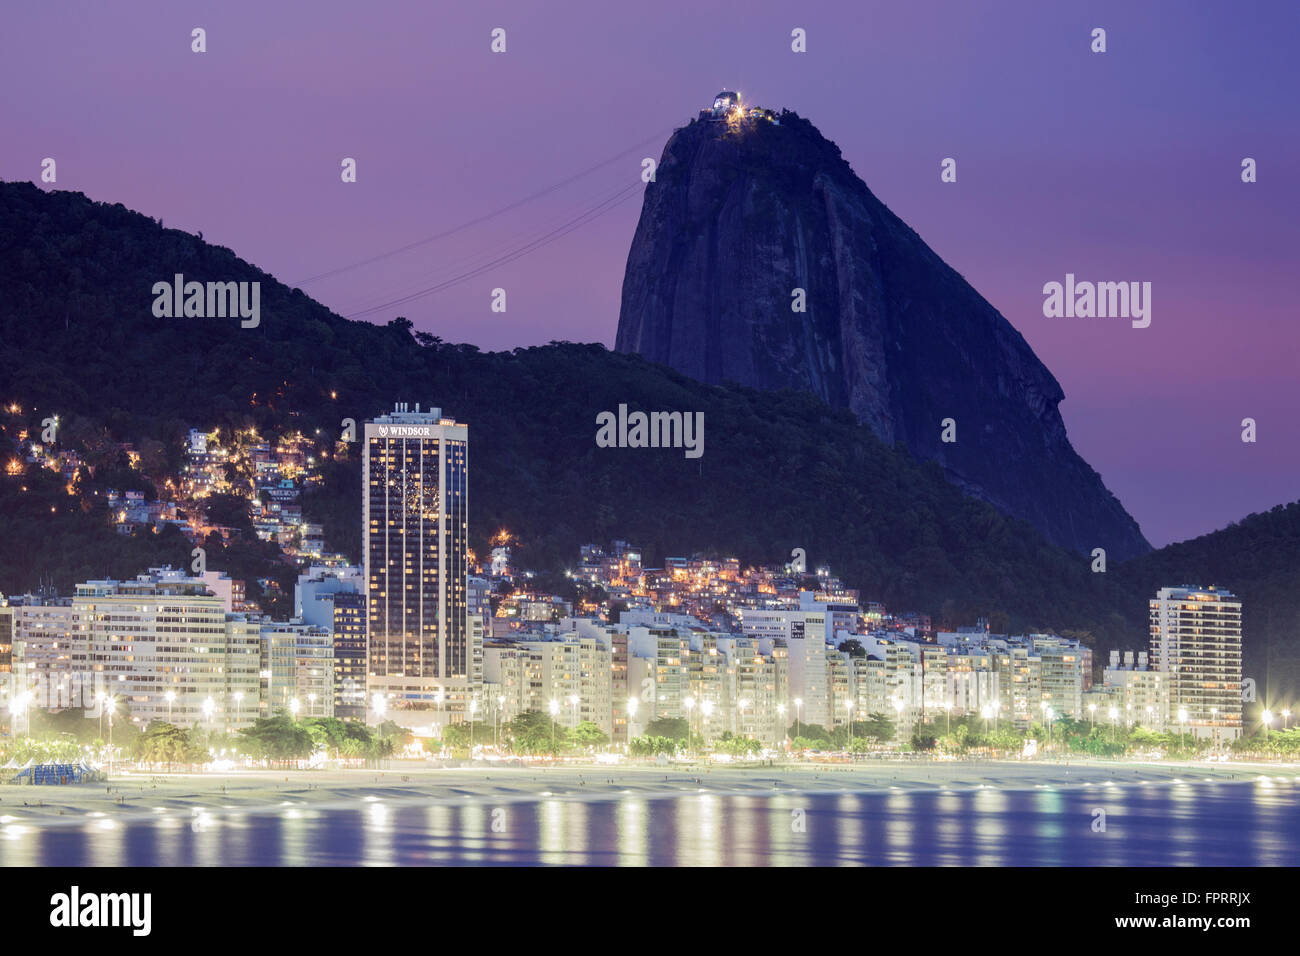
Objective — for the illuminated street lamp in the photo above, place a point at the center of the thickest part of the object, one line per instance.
(632, 704)
(1182, 725)
(554, 707)
(1092, 716)
(295, 705)
(798, 711)
(239, 699)
(17, 707)
(898, 709)
(947, 713)
(171, 699)
(1267, 718)
(112, 706)
(1286, 716)
(574, 700)
(1113, 713)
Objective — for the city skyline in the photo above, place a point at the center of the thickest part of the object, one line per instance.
(1033, 202)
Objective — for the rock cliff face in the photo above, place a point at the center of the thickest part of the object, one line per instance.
(740, 216)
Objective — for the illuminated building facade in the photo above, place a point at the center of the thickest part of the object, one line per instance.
(1196, 643)
(415, 470)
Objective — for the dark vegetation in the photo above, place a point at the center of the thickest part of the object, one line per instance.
(780, 470)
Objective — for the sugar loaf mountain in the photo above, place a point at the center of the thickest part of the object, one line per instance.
(745, 209)
(843, 462)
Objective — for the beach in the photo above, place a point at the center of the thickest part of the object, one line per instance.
(137, 794)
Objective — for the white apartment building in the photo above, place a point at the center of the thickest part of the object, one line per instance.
(1196, 644)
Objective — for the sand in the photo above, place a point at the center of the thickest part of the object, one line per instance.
(142, 794)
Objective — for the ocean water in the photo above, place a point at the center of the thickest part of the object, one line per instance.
(1197, 823)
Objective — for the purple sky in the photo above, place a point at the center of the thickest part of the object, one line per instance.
(1120, 166)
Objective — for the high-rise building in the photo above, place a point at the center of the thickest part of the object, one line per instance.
(1196, 643)
(415, 471)
(298, 660)
(349, 627)
(161, 644)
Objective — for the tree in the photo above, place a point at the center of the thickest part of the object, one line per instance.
(816, 733)
(878, 727)
(278, 738)
(674, 728)
(534, 732)
(649, 746)
(588, 735)
(166, 743)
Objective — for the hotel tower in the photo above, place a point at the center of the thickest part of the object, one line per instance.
(421, 660)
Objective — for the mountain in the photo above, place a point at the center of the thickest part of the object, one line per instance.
(78, 338)
(780, 469)
(740, 215)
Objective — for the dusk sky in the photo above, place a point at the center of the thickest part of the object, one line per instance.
(1117, 166)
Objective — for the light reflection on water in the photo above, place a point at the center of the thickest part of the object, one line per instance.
(1194, 823)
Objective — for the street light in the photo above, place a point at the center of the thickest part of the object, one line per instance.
(311, 704)
(1182, 725)
(1286, 716)
(947, 713)
(110, 705)
(17, 707)
(574, 699)
(1267, 717)
(780, 715)
(171, 699)
(554, 707)
(848, 706)
(103, 698)
(239, 699)
(898, 708)
(632, 704)
(798, 711)
(295, 705)
(1092, 717)
(1113, 713)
